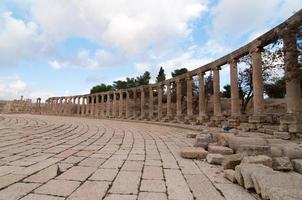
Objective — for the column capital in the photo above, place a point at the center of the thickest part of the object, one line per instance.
(167, 82)
(217, 68)
(188, 76)
(256, 49)
(201, 73)
(177, 80)
(233, 61)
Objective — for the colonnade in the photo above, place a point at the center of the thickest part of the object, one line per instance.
(139, 102)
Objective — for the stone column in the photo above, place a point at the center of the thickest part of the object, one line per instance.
(216, 93)
(160, 101)
(189, 97)
(121, 104)
(235, 102)
(127, 104)
(79, 106)
(258, 101)
(92, 106)
(83, 106)
(142, 102)
(178, 99)
(108, 105)
(97, 106)
(169, 106)
(114, 105)
(293, 87)
(103, 106)
(202, 98)
(151, 102)
(134, 113)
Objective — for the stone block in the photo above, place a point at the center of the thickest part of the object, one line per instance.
(221, 138)
(220, 150)
(282, 135)
(231, 161)
(284, 194)
(230, 175)
(297, 165)
(214, 158)
(282, 164)
(295, 128)
(203, 140)
(292, 151)
(191, 135)
(247, 169)
(193, 152)
(260, 159)
(238, 175)
(235, 142)
(254, 150)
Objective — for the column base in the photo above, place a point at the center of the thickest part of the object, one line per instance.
(216, 120)
(234, 121)
(202, 119)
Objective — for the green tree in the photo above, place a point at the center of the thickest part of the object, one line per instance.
(161, 75)
(101, 88)
(117, 85)
(143, 79)
(178, 72)
(226, 93)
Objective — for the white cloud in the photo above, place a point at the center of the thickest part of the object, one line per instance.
(18, 39)
(187, 60)
(233, 19)
(14, 87)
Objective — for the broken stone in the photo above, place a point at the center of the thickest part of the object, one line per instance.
(203, 141)
(230, 175)
(231, 161)
(238, 175)
(266, 180)
(292, 151)
(193, 152)
(297, 165)
(282, 135)
(220, 150)
(246, 170)
(191, 135)
(254, 150)
(214, 158)
(235, 142)
(260, 159)
(282, 164)
(284, 194)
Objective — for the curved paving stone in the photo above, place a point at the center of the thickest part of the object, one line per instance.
(48, 157)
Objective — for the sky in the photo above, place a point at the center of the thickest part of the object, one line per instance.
(60, 48)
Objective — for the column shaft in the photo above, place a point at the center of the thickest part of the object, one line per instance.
(150, 102)
(201, 100)
(293, 87)
(169, 106)
(189, 97)
(235, 102)
(142, 102)
(258, 101)
(160, 102)
(216, 88)
(178, 97)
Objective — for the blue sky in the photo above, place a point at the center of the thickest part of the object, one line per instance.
(55, 48)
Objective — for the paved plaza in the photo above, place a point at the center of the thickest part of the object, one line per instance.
(55, 158)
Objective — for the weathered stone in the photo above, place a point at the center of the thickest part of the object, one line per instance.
(193, 152)
(214, 158)
(235, 142)
(203, 140)
(220, 150)
(238, 175)
(221, 138)
(284, 194)
(191, 135)
(282, 135)
(297, 165)
(247, 169)
(276, 151)
(230, 175)
(282, 164)
(260, 159)
(264, 181)
(254, 150)
(292, 151)
(231, 161)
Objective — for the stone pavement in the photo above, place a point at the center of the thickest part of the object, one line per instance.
(54, 158)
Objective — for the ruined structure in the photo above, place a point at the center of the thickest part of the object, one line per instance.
(138, 103)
